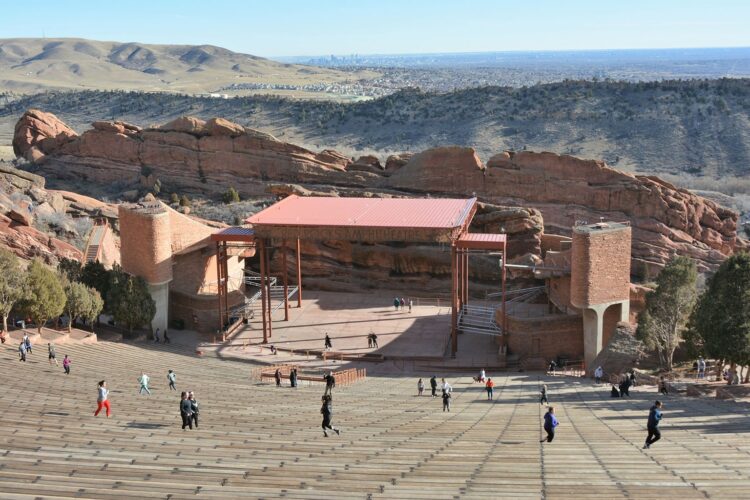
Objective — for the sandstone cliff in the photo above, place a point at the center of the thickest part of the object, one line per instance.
(208, 156)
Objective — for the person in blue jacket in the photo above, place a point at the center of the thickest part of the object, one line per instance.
(654, 417)
(550, 422)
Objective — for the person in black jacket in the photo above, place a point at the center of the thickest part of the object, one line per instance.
(654, 417)
(433, 385)
(193, 407)
(186, 411)
(293, 377)
(330, 383)
(277, 376)
(327, 411)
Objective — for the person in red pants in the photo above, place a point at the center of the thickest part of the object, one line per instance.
(103, 399)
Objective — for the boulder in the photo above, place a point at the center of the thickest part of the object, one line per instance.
(220, 126)
(622, 352)
(187, 124)
(36, 125)
(21, 213)
(395, 162)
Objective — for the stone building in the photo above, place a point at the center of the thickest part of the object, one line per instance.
(586, 292)
(175, 255)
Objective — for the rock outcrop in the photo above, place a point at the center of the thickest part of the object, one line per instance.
(37, 133)
(208, 156)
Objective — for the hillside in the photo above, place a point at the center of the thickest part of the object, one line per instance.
(29, 65)
(689, 128)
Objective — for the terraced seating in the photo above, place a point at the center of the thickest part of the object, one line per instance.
(257, 440)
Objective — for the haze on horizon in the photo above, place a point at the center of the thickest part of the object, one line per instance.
(296, 28)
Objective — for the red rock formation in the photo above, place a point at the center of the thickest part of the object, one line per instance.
(189, 153)
(36, 126)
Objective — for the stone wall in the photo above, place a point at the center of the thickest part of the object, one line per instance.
(547, 337)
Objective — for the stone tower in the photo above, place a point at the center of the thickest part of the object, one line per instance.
(600, 281)
(146, 251)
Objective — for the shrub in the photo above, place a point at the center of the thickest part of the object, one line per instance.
(184, 201)
(231, 196)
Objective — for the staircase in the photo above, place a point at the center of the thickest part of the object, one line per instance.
(94, 242)
(252, 305)
(478, 319)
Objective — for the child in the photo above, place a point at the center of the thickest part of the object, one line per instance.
(543, 398)
(66, 365)
(489, 385)
(172, 377)
(420, 387)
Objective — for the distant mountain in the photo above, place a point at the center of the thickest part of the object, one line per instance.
(31, 65)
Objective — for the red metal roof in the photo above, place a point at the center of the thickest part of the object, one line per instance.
(484, 241)
(432, 213)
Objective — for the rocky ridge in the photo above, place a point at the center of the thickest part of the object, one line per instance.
(209, 156)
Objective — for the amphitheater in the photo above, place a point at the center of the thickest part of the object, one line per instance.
(259, 441)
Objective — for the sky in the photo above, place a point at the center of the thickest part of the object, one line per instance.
(303, 27)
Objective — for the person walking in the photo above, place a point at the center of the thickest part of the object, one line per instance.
(172, 377)
(374, 340)
(166, 339)
(143, 380)
(598, 374)
(327, 411)
(446, 387)
(277, 377)
(625, 387)
(66, 365)
(543, 395)
(330, 383)
(550, 422)
(369, 340)
(293, 377)
(411, 304)
(27, 343)
(489, 385)
(396, 302)
(433, 385)
(701, 368)
(327, 343)
(22, 351)
(52, 354)
(402, 304)
(552, 367)
(156, 336)
(654, 417)
(420, 387)
(102, 401)
(632, 378)
(663, 386)
(446, 401)
(193, 407)
(186, 411)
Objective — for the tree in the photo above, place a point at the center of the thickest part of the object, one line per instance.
(11, 284)
(231, 196)
(668, 309)
(96, 276)
(96, 304)
(70, 268)
(720, 322)
(45, 297)
(78, 300)
(130, 301)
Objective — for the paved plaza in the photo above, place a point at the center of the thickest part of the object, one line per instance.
(259, 441)
(349, 317)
